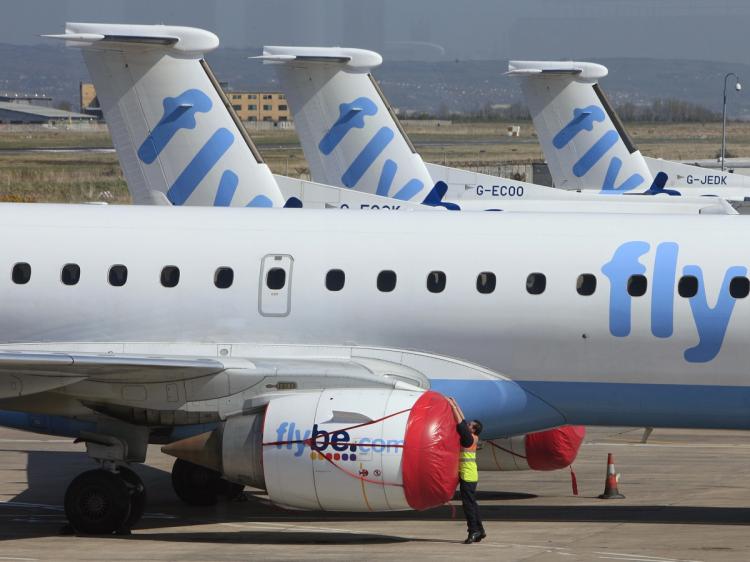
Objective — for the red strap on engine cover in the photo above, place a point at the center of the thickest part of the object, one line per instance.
(430, 458)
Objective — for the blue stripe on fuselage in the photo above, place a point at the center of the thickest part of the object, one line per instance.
(512, 408)
(508, 407)
(503, 406)
(650, 405)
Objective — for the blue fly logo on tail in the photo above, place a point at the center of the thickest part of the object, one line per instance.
(584, 120)
(180, 113)
(353, 116)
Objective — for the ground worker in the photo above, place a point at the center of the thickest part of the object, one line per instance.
(467, 472)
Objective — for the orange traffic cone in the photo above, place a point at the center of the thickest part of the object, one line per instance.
(610, 483)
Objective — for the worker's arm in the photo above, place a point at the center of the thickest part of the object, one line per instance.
(457, 413)
(465, 434)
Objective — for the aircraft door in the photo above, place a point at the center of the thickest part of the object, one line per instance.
(275, 288)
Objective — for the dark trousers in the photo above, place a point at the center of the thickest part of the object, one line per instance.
(471, 509)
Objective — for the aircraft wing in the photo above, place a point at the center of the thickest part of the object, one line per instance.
(31, 372)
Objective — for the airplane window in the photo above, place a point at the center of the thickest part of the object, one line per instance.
(275, 278)
(486, 282)
(21, 273)
(118, 275)
(436, 281)
(536, 283)
(386, 281)
(739, 287)
(70, 274)
(335, 280)
(224, 277)
(170, 276)
(586, 284)
(687, 287)
(637, 285)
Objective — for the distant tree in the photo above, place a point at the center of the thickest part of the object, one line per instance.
(667, 110)
(64, 105)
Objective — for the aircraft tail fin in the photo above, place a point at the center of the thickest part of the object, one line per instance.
(583, 140)
(349, 133)
(173, 128)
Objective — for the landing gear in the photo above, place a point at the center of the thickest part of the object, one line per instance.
(102, 502)
(110, 499)
(200, 486)
(98, 502)
(137, 496)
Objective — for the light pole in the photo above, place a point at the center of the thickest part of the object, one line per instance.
(737, 87)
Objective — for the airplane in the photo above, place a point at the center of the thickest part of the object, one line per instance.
(321, 344)
(198, 190)
(165, 111)
(180, 142)
(352, 138)
(586, 145)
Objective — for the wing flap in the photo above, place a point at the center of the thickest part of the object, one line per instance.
(30, 372)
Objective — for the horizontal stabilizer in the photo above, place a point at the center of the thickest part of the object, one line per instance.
(302, 58)
(355, 58)
(293, 203)
(119, 36)
(540, 71)
(435, 197)
(587, 71)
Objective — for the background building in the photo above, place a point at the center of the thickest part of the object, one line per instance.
(36, 99)
(260, 106)
(250, 106)
(20, 113)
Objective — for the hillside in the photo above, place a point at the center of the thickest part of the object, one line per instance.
(418, 86)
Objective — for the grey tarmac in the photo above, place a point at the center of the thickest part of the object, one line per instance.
(687, 498)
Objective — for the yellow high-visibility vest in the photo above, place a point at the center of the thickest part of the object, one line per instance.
(467, 463)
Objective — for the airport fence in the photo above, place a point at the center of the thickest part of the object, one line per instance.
(84, 126)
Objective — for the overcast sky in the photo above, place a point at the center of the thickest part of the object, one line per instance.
(716, 30)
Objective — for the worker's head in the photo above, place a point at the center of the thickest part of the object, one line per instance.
(475, 426)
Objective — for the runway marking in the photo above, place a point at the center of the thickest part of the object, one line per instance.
(640, 557)
(545, 547)
(37, 516)
(290, 527)
(17, 558)
(33, 519)
(37, 505)
(11, 503)
(35, 441)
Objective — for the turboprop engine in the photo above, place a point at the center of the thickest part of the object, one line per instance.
(339, 450)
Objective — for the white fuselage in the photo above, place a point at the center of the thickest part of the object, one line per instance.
(558, 345)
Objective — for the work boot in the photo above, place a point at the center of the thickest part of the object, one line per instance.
(482, 535)
(476, 536)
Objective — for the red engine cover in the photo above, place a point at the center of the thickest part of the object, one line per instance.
(430, 457)
(555, 448)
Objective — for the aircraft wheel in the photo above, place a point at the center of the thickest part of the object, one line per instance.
(97, 502)
(196, 485)
(137, 496)
(231, 490)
